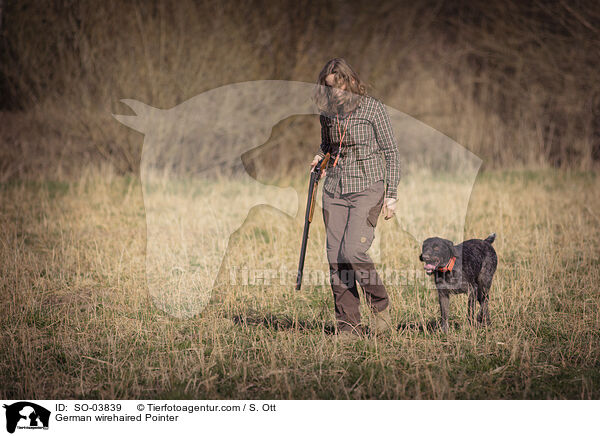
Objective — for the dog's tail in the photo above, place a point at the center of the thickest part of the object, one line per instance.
(490, 238)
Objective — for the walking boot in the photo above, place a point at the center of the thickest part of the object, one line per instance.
(383, 321)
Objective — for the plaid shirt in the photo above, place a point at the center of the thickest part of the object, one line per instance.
(369, 136)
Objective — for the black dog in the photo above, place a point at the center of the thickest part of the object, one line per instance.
(465, 268)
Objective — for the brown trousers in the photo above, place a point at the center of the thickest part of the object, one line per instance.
(350, 221)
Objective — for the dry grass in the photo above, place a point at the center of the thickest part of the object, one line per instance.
(77, 320)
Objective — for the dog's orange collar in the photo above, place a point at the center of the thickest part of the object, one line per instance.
(448, 266)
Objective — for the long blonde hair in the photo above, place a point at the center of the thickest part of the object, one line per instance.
(344, 75)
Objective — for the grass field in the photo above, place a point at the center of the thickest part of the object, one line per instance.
(77, 320)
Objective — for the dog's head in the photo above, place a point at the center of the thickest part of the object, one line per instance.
(436, 252)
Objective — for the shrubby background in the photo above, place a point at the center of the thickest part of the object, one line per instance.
(514, 82)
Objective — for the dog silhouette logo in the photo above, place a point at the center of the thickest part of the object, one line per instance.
(190, 218)
(26, 415)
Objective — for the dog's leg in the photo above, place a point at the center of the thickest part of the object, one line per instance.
(444, 299)
(482, 296)
(484, 314)
(472, 299)
(484, 283)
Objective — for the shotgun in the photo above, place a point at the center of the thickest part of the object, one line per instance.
(315, 175)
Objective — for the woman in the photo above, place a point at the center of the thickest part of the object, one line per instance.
(356, 130)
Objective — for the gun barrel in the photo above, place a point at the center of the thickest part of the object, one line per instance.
(315, 175)
(307, 220)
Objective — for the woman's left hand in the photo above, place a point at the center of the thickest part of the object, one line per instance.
(389, 207)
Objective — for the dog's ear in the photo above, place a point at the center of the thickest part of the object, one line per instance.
(452, 248)
(421, 257)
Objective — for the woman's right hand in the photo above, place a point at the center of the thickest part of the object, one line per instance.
(314, 163)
